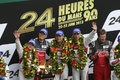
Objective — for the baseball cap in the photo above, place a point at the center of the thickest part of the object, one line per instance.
(119, 38)
(44, 30)
(60, 32)
(76, 30)
(32, 41)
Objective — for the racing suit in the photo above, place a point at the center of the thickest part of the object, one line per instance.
(20, 53)
(115, 61)
(84, 73)
(64, 74)
(42, 47)
(100, 54)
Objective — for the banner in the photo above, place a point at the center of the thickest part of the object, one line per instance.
(30, 16)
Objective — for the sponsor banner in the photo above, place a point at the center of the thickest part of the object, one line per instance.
(14, 71)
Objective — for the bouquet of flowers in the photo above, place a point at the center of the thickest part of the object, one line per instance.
(117, 55)
(2, 67)
(82, 58)
(29, 63)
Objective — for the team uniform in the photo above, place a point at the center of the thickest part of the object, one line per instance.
(20, 53)
(101, 68)
(82, 74)
(64, 74)
(115, 62)
(59, 57)
(43, 48)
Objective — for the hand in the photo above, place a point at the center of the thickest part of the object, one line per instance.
(16, 34)
(119, 59)
(97, 53)
(107, 54)
(36, 38)
(93, 57)
(94, 26)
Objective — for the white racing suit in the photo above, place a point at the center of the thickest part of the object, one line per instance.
(114, 62)
(114, 77)
(20, 53)
(64, 74)
(83, 74)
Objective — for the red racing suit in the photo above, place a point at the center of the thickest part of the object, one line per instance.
(100, 54)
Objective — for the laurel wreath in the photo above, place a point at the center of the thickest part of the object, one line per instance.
(78, 65)
(117, 55)
(2, 67)
(57, 68)
(29, 65)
